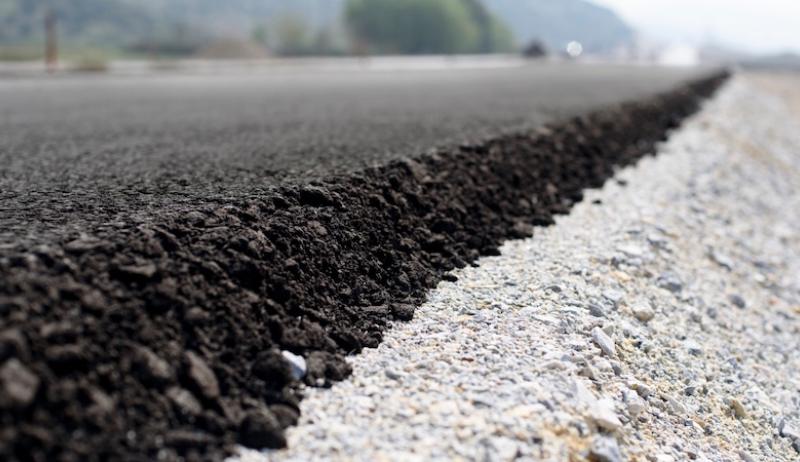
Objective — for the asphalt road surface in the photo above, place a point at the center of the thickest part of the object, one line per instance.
(80, 151)
(168, 320)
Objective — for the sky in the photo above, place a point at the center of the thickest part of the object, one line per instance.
(757, 26)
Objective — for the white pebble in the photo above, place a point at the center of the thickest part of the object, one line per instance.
(605, 342)
(297, 362)
(603, 415)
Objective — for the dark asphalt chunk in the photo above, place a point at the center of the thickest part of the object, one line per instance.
(77, 153)
(163, 338)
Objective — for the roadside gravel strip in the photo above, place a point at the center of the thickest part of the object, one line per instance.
(658, 321)
(193, 331)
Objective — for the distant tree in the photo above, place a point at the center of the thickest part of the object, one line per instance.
(172, 40)
(327, 43)
(96, 22)
(260, 35)
(494, 35)
(413, 26)
(292, 35)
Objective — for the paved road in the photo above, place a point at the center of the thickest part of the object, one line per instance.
(79, 151)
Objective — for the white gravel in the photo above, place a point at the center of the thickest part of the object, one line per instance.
(662, 324)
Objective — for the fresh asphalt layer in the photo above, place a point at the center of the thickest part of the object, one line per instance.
(176, 309)
(79, 151)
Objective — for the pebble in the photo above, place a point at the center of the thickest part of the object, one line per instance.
(184, 401)
(720, 259)
(657, 241)
(737, 301)
(603, 415)
(605, 449)
(746, 457)
(143, 272)
(605, 342)
(596, 310)
(631, 250)
(675, 406)
(614, 296)
(501, 449)
(201, 376)
(151, 367)
(298, 364)
(18, 385)
(694, 348)
(738, 408)
(635, 404)
(643, 313)
(670, 281)
(393, 374)
(788, 430)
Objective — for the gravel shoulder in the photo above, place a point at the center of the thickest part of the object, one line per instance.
(658, 321)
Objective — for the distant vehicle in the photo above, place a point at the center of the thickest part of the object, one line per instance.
(574, 50)
(535, 49)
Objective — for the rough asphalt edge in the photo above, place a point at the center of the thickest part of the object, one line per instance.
(166, 339)
(691, 271)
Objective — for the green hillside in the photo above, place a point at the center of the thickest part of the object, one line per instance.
(90, 22)
(185, 25)
(557, 22)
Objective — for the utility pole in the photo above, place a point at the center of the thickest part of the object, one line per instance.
(51, 41)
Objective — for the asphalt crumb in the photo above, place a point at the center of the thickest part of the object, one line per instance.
(166, 340)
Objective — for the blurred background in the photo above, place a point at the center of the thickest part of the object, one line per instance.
(101, 35)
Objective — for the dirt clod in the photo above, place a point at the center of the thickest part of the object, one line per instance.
(260, 429)
(200, 376)
(151, 368)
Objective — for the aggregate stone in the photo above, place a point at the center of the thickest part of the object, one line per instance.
(151, 367)
(602, 413)
(738, 408)
(643, 313)
(605, 342)
(298, 364)
(184, 401)
(737, 301)
(596, 310)
(635, 404)
(200, 376)
(788, 430)
(18, 384)
(614, 296)
(605, 449)
(693, 347)
(670, 281)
